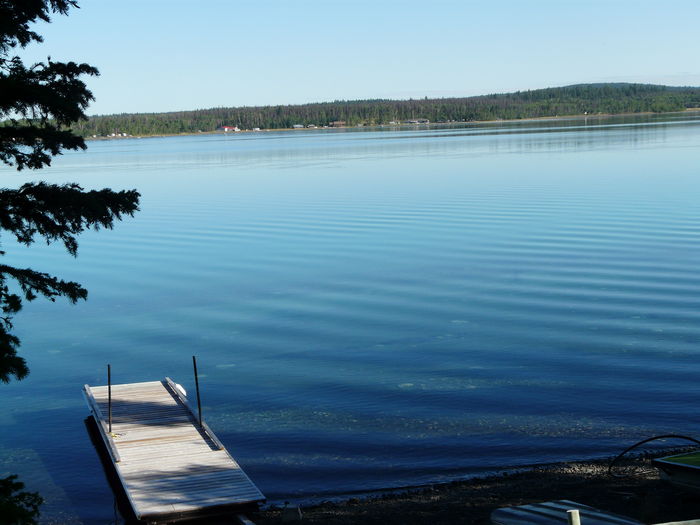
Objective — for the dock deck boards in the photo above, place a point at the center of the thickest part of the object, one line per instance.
(167, 465)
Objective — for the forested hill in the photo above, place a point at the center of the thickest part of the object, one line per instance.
(570, 100)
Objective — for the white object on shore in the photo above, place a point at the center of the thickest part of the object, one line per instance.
(556, 513)
(574, 517)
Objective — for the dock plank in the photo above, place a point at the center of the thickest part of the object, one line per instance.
(167, 465)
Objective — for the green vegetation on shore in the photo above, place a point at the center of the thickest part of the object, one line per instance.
(571, 100)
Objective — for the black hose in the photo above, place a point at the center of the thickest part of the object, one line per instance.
(665, 436)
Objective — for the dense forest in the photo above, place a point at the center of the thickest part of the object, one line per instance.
(570, 100)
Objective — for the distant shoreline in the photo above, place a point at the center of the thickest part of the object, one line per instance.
(580, 100)
(400, 125)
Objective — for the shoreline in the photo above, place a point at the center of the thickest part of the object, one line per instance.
(401, 125)
(642, 496)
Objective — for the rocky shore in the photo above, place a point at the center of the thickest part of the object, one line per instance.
(640, 494)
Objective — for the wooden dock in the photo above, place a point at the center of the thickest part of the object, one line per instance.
(169, 466)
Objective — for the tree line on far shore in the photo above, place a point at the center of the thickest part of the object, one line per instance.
(571, 100)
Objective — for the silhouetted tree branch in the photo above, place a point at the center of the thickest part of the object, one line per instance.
(38, 103)
(57, 213)
(60, 212)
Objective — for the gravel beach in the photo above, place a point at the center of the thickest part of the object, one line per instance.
(641, 494)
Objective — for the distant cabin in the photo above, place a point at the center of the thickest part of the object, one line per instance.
(337, 123)
(298, 126)
(226, 129)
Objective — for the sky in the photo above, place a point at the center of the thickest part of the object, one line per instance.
(172, 55)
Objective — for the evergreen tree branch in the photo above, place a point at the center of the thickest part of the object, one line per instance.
(60, 212)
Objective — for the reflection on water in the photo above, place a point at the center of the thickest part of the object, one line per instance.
(373, 307)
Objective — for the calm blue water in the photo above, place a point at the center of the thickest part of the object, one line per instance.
(372, 308)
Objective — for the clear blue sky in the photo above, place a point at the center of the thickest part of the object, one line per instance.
(168, 55)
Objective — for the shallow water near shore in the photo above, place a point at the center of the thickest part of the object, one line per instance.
(375, 308)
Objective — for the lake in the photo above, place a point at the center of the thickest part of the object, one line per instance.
(375, 308)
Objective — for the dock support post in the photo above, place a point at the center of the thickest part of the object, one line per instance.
(196, 384)
(109, 395)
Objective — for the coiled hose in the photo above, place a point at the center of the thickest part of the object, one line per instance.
(665, 436)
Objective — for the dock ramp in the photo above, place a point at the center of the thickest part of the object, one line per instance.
(169, 466)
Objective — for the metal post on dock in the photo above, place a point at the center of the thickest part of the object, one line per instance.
(109, 395)
(196, 384)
